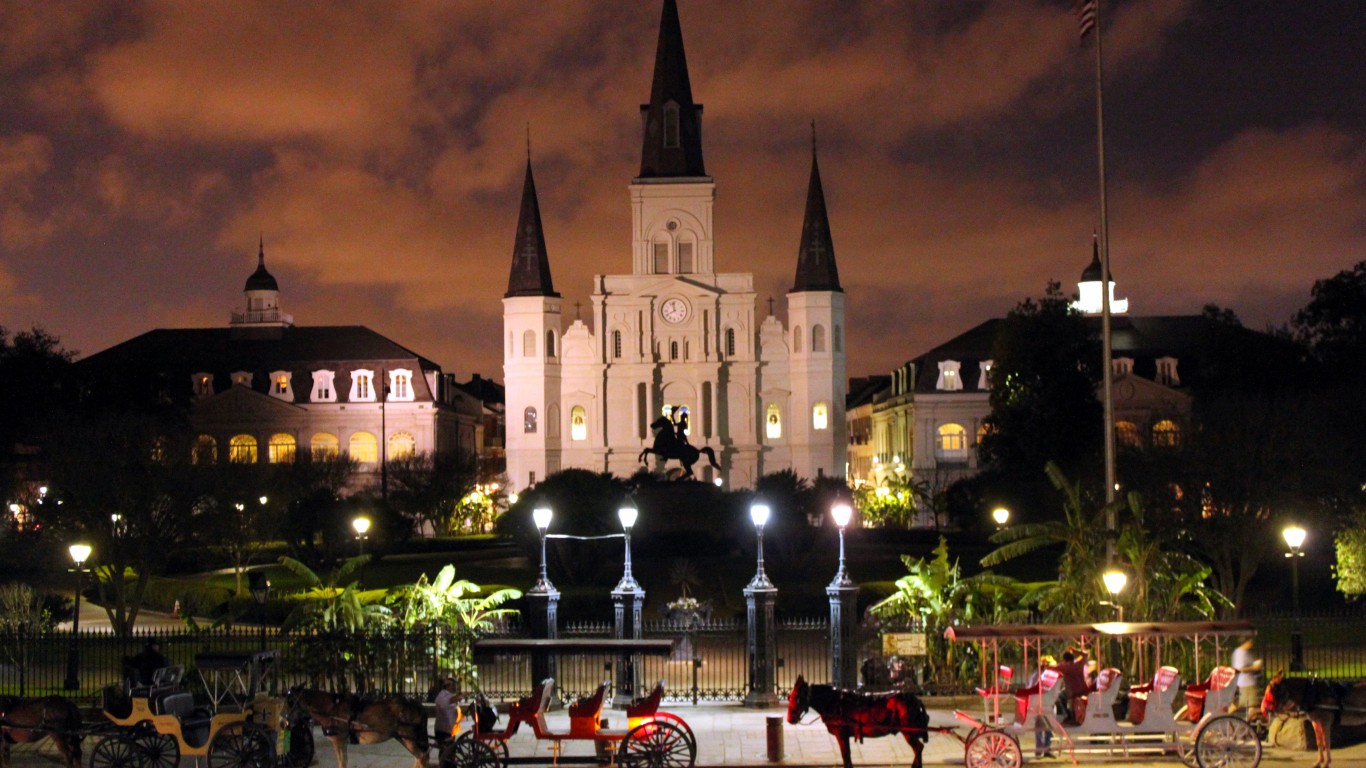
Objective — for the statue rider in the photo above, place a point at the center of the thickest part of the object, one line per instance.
(680, 420)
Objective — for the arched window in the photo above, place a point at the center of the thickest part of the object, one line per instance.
(529, 344)
(1166, 434)
(820, 417)
(838, 339)
(797, 339)
(817, 338)
(951, 442)
(773, 422)
(578, 423)
(242, 449)
(549, 343)
(401, 445)
(730, 342)
(325, 446)
(281, 448)
(1127, 434)
(616, 344)
(673, 350)
(364, 448)
(529, 421)
(205, 450)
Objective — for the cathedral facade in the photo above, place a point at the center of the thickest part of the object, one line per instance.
(675, 337)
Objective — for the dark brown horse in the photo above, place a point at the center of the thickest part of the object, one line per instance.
(847, 715)
(347, 718)
(1324, 702)
(27, 720)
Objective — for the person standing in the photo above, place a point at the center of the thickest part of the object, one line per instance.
(1249, 669)
(448, 713)
(1074, 684)
(1043, 732)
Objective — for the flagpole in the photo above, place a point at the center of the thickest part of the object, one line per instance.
(1107, 369)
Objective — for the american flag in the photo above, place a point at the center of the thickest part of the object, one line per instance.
(1086, 16)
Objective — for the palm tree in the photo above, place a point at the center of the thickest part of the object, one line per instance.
(331, 610)
(450, 603)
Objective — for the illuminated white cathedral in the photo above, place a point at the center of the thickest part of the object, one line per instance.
(675, 333)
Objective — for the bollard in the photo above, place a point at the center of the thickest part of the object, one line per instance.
(775, 739)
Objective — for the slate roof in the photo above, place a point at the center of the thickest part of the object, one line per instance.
(671, 84)
(261, 280)
(530, 274)
(816, 268)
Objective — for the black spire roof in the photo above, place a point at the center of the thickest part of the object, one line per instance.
(261, 280)
(530, 265)
(816, 269)
(1093, 270)
(673, 123)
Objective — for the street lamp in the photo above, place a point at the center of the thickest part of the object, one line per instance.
(79, 554)
(628, 516)
(1115, 581)
(843, 595)
(544, 600)
(758, 514)
(760, 596)
(841, 513)
(628, 591)
(1001, 515)
(259, 586)
(542, 517)
(362, 527)
(1294, 538)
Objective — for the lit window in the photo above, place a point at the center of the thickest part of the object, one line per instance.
(325, 445)
(401, 445)
(281, 449)
(362, 386)
(529, 344)
(730, 342)
(671, 125)
(401, 385)
(949, 379)
(685, 257)
(817, 338)
(1166, 434)
(242, 449)
(661, 258)
(984, 378)
(203, 384)
(241, 379)
(364, 448)
(323, 391)
(951, 442)
(819, 416)
(773, 422)
(616, 344)
(205, 450)
(578, 423)
(529, 421)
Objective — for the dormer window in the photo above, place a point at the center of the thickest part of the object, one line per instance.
(1166, 372)
(401, 385)
(671, 138)
(362, 386)
(949, 379)
(984, 377)
(280, 385)
(241, 379)
(323, 389)
(203, 384)
(1122, 366)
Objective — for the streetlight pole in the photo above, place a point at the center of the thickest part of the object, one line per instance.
(760, 596)
(1294, 538)
(843, 594)
(79, 554)
(628, 590)
(259, 587)
(544, 601)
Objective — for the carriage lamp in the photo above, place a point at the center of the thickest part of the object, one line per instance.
(841, 512)
(1115, 581)
(80, 553)
(759, 513)
(542, 517)
(1001, 515)
(1294, 538)
(628, 516)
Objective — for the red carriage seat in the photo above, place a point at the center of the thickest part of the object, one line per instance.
(584, 713)
(1165, 678)
(1038, 698)
(1003, 675)
(644, 709)
(1197, 693)
(1103, 700)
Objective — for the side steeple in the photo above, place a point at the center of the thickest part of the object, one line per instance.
(530, 274)
(816, 269)
(672, 145)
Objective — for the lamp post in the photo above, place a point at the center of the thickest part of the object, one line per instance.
(627, 592)
(760, 595)
(79, 554)
(259, 586)
(543, 600)
(1002, 516)
(843, 594)
(1115, 581)
(1294, 538)
(362, 527)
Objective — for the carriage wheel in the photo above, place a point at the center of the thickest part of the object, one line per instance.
(680, 722)
(160, 750)
(1227, 741)
(300, 753)
(660, 744)
(992, 749)
(241, 745)
(470, 752)
(117, 752)
(1185, 749)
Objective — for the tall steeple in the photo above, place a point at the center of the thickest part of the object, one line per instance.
(673, 123)
(261, 280)
(816, 269)
(530, 274)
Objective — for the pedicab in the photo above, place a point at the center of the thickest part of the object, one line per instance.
(243, 726)
(1201, 733)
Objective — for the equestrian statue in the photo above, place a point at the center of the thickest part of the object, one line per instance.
(671, 442)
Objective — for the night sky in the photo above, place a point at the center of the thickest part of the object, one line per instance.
(379, 147)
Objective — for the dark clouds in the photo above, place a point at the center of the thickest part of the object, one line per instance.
(379, 147)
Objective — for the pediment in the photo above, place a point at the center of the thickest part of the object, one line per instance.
(1138, 392)
(244, 404)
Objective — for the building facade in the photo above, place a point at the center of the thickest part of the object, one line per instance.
(675, 336)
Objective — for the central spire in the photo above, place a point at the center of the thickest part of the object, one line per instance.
(672, 146)
(530, 274)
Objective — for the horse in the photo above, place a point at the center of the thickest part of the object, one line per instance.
(348, 718)
(848, 714)
(24, 721)
(1324, 702)
(667, 446)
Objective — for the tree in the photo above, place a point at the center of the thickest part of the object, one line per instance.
(35, 384)
(1349, 545)
(426, 488)
(1333, 324)
(585, 504)
(457, 605)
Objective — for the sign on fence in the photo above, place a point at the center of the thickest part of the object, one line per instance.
(904, 644)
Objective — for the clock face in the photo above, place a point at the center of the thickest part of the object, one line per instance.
(674, 310)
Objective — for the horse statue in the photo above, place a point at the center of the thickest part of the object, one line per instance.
(349, 718)
(668, 446)
(848, 714)
(23, 721)
(1324, 702)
